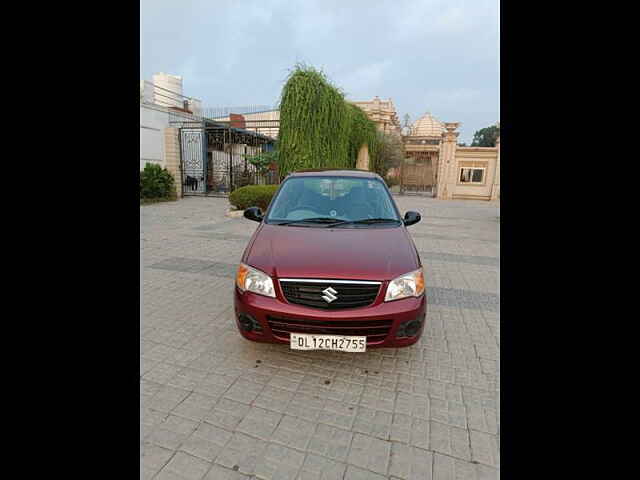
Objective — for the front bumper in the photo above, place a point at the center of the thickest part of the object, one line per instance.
(261, 309)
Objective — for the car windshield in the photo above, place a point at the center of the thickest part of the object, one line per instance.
(323, 201)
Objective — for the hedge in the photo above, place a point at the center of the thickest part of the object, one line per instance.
(253, 196)
(156, 182)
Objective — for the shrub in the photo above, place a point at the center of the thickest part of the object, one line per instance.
(253, 196)
(156, 182)
(389, 155)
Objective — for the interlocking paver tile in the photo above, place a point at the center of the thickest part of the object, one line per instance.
(420, 436)
(213, 434)
(259, 423)
(413, 405)
(450, 440)
(482, 419)
(410, 463)
(450, 413)
(370, 453)
(149, 473)
(167, 398)
(200, 447)
(449, 468)
(152, 417)
(219, 472)
(316, 467)
(338, 414)
(294, 432)
(178, 424)
(187, 379)
(187, 466)
(244, 391)
(195, 406)
(155, 457)
(305, 406)
(330, 442)
(401, 428)
(429, 411)
(227, 414)
(272, 398)
(485, 448)
(355, 473)
(242, 453)
(162, 372)
(166, 438)
(279, 462)
(169, 475)
(373, 422)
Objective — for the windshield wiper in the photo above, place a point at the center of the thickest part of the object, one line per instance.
(365, 221)
(328, 220)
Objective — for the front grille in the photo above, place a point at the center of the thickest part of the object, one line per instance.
(349, 295)
(375, 330)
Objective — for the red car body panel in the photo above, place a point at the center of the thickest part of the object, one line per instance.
(336, 253)
(368, 254)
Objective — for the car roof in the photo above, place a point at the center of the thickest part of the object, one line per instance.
(320, 172)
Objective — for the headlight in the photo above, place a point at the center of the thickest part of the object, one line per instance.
(408, 285)
(252, 280)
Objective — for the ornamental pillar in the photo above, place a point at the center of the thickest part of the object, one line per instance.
(495, 188)
(447, 162)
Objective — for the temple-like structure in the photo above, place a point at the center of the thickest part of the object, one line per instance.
(383, 113)
(435, 163)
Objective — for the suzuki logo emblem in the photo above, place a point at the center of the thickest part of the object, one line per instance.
(329, 295)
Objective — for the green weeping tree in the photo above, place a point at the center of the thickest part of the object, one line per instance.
(318, 128)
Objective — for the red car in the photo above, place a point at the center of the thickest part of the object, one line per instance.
(331, 267)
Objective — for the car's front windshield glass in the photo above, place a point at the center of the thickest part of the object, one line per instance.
(316, 201)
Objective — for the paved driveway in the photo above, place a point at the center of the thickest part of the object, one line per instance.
(216, 406)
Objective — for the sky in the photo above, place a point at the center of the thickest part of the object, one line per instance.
(435, 56)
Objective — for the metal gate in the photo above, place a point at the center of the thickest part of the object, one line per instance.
(229, 151)
(194, 161)
(418, 172)
(216, 150)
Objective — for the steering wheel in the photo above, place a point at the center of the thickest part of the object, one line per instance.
(304, 207)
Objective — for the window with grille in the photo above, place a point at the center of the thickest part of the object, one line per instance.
(472, 175)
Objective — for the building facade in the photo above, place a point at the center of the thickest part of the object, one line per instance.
(266, 122)
(157, 103)
(382, 113)
(435, 163)
(167, 90)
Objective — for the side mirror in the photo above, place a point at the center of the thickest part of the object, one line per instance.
(253, 213)
(411, 217)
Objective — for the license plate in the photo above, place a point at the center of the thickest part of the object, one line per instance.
(340, 343)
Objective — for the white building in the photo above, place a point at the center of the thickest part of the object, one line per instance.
(194, 106)
(153, 121)
(266, 122)
(156, 101)
(168, 90)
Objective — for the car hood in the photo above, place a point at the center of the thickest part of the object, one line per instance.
(336, 253)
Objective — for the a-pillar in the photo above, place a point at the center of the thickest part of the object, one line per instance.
(172, 156)
(447, 162)
(495, 189)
